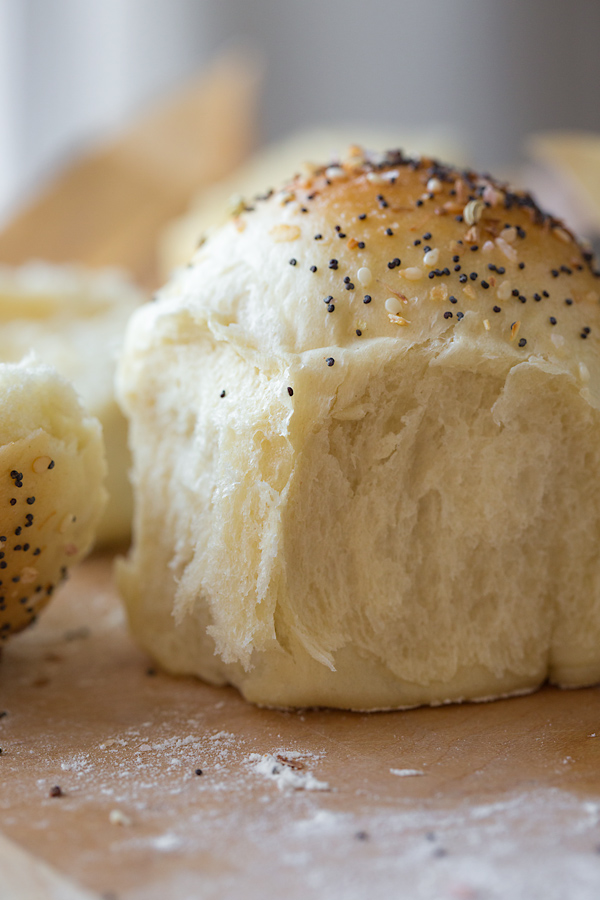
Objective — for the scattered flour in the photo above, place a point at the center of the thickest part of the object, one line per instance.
(285, 775)
(406, 773)
(166, 842)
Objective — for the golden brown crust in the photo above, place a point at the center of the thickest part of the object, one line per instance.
(426, 231)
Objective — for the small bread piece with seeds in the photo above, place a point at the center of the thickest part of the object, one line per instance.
(366, 438)
(52, 495)
(74, 318)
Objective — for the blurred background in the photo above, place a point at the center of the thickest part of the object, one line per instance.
(483, 73)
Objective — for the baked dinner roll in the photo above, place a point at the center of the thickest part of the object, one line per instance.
(52, 472)
(366, 437)
(74, 319)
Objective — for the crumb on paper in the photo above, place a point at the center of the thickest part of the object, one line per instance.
(117, 817)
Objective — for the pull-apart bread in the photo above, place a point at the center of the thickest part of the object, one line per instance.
(366, 436)
(74, 319)
(52, 472)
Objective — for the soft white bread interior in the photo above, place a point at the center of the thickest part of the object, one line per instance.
(52, 495)
(366, 434)
(74, 319)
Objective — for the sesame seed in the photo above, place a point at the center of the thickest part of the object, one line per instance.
(522, 342)
(367, 298)
(349, 286)
(290, 391)
(362, 217)
(313, 268)
(333, 263)
(393, 305)
(453, 299)
(497, 309)
(412, 273)
(462, 279)
(318, 237)
(389, 231)
(460, 315)
(484, 285)
(331, 308)
(359, 332)
(447, 314)
(222, 394)
(361, 245)
(293, 262)
(569, 301)
(330, 361)
(552, 320)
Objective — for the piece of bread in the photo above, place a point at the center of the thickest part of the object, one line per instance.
(366, 436)
(74, 319)
(52, 495)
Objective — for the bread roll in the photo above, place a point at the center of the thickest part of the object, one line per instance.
(52, 472)
(74, 319)
(366, 437)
